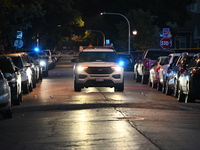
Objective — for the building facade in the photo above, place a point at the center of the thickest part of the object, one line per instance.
(188, 36)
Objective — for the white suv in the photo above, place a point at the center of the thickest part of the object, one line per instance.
(98, 68)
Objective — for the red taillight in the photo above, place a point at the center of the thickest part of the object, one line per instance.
(157, 69)
(181, 70)
(146, 64)
(196, 71)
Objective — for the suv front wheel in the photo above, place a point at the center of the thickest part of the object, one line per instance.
(120, 87)
(77, 87)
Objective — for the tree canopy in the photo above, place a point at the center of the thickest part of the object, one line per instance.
(55, 22)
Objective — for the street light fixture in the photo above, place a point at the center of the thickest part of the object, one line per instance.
(101, 33)
(129, 32)
(134, 32)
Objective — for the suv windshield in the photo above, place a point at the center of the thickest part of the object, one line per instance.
(97, 56)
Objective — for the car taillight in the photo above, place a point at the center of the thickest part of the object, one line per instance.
(157, 69)
(146, 64)
(181, 70)
(196, 71)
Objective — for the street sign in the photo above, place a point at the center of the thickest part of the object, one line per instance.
(19, 34)
(165, 43)
(166, 33)
(18, 43)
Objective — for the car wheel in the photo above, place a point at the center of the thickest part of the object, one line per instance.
(181, 96)
(163, 87)
(137, 77)
(20, 97)
(149, 82)
(159, 86)
(153, 85)
(120, 87)
(41, 76)
(167, 89)
(143, 80)
(77, 87)
(175, 88)
(25, 88)
(8, 113)
(18, 100)
(189, 98)
(34, 82)
(31, 87)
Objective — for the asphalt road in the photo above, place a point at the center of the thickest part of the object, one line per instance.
(55, 117)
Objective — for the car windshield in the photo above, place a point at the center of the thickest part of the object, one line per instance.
(6, 66)
(97, 56)
(18, 62)
(33, 54)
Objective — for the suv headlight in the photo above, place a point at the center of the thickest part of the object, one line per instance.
(81, 68)
(117, 68)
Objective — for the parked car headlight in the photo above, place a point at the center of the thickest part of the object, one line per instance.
(117, 68)
(42, 63)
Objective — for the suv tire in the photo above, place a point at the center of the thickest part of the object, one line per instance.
(77, 87)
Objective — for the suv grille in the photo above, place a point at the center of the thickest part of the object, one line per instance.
(99, 70)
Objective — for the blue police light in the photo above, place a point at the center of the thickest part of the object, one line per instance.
(36, 49)
(121, 63)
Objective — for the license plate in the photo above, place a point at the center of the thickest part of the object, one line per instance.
(99, 79)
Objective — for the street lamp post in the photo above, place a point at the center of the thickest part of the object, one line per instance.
(129, 32)
(101, 33)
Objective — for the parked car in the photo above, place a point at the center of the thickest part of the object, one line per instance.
(98, 68)
(35, 59)
(126, 61)
(25, 70)
(51, 62)
(145, 62)
(42, 59)
(189, 81)
(165, 69)
(5, 96)
(171, 86)
(7, 66)
(153, 73)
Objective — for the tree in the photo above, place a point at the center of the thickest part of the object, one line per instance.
(17, 15)
(142, 22)
(163, 13)
(58, 23)
(49, 20)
